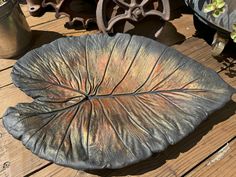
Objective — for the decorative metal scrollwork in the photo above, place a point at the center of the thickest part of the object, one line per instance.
(108, 12)
(134, 10)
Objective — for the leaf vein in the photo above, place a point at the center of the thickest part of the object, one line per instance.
(169, 75)
(126, 73)
(106, 67)
(67, 129)
(132, 119)
(180, 109)
(162, 53)
(72, 72)
(86, 63)
(115, 130)
(62, 86)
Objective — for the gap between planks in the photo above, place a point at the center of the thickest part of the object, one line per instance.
(224, 157)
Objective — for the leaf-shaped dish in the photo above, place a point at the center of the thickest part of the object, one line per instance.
(107, 102)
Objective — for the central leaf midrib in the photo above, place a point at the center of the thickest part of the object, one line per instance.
(142, 93)
(88, 97)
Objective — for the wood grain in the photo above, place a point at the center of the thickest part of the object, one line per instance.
(24, 9)
(6, 63)
(199, 50)
(10, 96)
(12, 154)
(222, 162)
(57, 171)
(5, 78)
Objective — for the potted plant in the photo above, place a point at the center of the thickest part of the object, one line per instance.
(219, 15)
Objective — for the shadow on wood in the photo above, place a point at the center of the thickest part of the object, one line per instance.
(148, 27)
(43, 37)
(40, 38)
(228, 60)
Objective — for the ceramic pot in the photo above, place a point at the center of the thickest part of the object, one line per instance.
(15, 34)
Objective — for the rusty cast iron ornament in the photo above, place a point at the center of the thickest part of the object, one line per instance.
(105, 12)
(133, 10)
(108, 102)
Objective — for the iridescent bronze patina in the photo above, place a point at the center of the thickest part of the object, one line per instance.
(105, 12)
(108, 102)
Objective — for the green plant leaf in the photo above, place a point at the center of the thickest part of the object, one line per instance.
(220, 5)
(234, 40)
(209, 8)
(219, 1)
(233, 35)
(234, 27)
(221, 10)
(216, 13)
(2, 2)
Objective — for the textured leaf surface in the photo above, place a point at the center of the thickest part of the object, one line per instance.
(107, 102)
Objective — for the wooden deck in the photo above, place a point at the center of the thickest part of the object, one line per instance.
(208, 151)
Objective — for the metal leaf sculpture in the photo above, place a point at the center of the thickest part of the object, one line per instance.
(107, 102)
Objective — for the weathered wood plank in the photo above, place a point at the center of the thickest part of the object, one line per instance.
(33, 21)
(10, 96)
(24, 9)
(229, 73)
(46, 18)
(184, 25)
(6, 63)
(57, 171)
(5, 78)
(177, 30)
(12, 154)
(222, 162)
